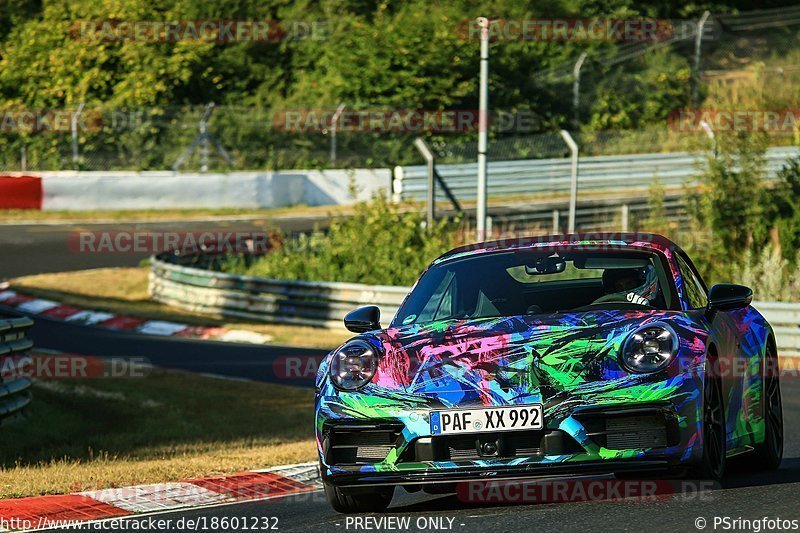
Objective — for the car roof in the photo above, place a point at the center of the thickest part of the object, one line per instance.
(651, 241)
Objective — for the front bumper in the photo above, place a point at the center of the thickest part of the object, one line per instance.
(584, 443)
(496, 472)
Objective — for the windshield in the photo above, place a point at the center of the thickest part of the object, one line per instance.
(532, 282)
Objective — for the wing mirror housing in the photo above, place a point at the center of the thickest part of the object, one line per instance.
(363, 319)
(729, 297)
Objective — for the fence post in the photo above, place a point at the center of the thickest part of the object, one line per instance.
(204, 137)
(428, 155)
(74, 128)
(573, 189)
(698, 41)
(576, 90)
(555, 220)
(334, 126)
(710, 133)
(23, 158)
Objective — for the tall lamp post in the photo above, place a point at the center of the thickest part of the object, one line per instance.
(483, 127)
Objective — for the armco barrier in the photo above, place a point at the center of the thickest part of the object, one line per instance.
(15, 393)
(291, 302)
(20, 192)
(624, 173)
(154, 190)
(325, 303)
(785, 320)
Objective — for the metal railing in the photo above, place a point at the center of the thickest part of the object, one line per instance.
(283, 301)
(624, 173)
(785, 321)
(15, 392)
(325, 303)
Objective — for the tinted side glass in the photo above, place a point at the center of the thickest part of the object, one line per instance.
(694, 291)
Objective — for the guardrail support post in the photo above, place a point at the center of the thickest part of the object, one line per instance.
(573, 189)
(555, 220)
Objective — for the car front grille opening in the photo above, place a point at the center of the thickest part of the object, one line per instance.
(473, 447)
(360, 445)
(635, 432)
(620, 430)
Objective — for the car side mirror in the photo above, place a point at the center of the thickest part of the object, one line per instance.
(729, 297)
(363, 319)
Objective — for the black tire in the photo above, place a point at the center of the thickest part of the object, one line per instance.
(372, 500)
(713, 462)
(769, 454)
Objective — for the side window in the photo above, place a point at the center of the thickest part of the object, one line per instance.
(439, 302)
(446, 304)
(694, 292)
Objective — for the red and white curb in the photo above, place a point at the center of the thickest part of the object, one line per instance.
(68, 313)
(41, 512)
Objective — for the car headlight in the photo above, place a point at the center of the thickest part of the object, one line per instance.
(353, 365)
(649, 348)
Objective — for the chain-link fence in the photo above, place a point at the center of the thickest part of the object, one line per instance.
(749, 62)
(229, 138)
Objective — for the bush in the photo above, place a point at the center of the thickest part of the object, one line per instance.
(742, 228)
(381, 244)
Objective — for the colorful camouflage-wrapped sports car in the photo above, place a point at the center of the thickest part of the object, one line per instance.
(548, 356)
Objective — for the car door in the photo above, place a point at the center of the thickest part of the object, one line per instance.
(731, 359)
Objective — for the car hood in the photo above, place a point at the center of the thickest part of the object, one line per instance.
(511, 359)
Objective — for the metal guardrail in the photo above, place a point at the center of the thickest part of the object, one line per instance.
(785, 321)
(282, 301)
(15, 393)
(597, 173)
(325, 303)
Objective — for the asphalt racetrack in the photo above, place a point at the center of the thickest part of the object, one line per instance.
(757, 497)
(761, 498)
(266, 363)
(42, 247)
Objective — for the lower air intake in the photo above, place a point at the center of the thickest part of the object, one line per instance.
(634, 432)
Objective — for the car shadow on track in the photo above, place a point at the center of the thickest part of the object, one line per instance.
(739, 476)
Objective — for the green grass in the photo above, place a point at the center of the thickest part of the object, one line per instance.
(25, 215)
(167, 426)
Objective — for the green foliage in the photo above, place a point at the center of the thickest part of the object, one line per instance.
(744, 229)
(369, 54)
(772, 277)
(657, 220)
(782, 208)
(735, 180)
(381, 244)
(642, 93)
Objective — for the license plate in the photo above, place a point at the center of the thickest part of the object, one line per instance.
(487, 420)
